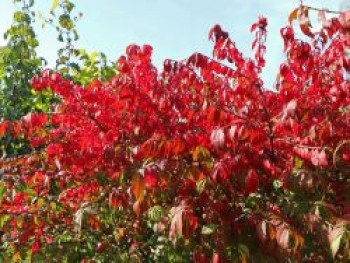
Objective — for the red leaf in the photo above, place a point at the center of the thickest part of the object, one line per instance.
(254, 43)
(147, 51)
(217, 33)
(49, 239)
(220, 172)
(3, 128)
(94, 223)
(95, 84)
(254, 26)
(304, 22)
(319, 158)
(178, 147)
(200, 257)
(36, 246)
(289, 109)
(251, 181)
(150, 178)
(217, 138)
(346, 155)
(218, 258)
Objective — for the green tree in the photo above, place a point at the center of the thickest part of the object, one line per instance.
(19, 62)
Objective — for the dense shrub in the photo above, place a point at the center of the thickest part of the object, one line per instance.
(196, 162)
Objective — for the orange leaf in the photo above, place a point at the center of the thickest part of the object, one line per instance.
(16, 129)
(138, 187)
(293, 15)
(114, 201)
(298, 241)
(272, 233)
(16, 257)
(244, 133)
(94, 223)
(178, 147)
(212, 115)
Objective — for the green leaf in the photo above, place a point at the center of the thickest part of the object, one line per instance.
(30, 192)
(69, 6)
(277, 184)
(76, 35)
(200, 185)
(243, 250)
(66, 237)
(93, 56)
(299, 163)
(36, 220)
(155, 213)
(60, 38)
(3, 190)
(4, 219)
(208, 229)
(19, 16)
(20, 221)
(53, 206)
(66, 22)
(20, 188)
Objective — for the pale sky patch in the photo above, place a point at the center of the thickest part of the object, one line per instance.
(175, 28)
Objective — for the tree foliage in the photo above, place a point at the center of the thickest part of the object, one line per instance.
(195, 162)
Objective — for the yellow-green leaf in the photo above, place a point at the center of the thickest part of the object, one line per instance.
(335, 237)
(55, 4)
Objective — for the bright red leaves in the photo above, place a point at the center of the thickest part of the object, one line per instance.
(251, 181)
(197, 140)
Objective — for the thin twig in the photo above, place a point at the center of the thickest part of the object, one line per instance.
(320, 9)
(336, 151)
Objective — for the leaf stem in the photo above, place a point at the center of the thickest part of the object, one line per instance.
(321, 9)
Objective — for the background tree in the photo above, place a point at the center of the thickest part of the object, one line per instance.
(19, 63)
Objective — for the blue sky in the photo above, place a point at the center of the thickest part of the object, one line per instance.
(175, 28)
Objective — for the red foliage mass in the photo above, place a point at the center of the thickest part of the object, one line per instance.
(197, 120)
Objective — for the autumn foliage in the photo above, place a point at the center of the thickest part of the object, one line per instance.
(196, 162)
